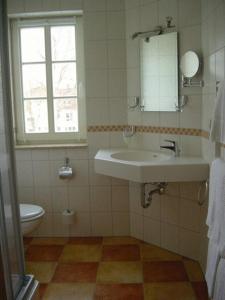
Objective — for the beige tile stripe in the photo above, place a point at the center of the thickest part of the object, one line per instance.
(106, 128)
(205, 134)
(151, 129)
(170, 130)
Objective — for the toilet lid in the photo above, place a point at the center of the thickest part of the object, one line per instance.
(28, 211)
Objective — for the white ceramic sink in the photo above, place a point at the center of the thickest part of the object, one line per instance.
(139, 156)
(146, 166)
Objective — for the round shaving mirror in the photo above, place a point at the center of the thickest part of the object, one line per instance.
(189, 64)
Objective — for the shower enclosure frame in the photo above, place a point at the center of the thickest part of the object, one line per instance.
(18, 285)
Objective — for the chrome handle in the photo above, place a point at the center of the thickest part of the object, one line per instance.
(203, 192)
(170, 141)
(174, 147)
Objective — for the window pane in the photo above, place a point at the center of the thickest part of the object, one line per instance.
(34, 81)
(64, 79)
(32, 44)
(65, 115)
(36, 116)
(63, 43)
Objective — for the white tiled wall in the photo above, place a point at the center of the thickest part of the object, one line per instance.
(145, 15)
(175, 220)
(172, 221)
(101, 203)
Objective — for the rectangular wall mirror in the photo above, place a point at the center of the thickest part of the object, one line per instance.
(159, 72)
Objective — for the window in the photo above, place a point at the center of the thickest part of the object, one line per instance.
(48, 80)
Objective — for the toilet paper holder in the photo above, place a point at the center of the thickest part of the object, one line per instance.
(68, 217)
(66, 171)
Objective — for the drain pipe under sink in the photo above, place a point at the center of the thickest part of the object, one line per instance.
(146, 198)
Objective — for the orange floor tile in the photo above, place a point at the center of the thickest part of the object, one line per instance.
(120, 253)
(120, 268)
(164, 271)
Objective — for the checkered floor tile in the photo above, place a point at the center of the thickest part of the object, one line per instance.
(87, 268)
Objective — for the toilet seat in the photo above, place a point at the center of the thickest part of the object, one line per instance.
(30, 212)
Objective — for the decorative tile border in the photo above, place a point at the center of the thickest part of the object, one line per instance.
(150, 129)
(106, 128)
(153, 129)
(169, 130)
(205, 134)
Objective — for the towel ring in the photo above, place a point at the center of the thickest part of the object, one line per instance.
(203, 192)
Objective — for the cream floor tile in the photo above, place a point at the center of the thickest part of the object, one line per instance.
(81, 253)
(120, 272)
(69, 291)
(43, 271)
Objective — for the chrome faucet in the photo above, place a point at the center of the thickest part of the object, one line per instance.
(174, 147)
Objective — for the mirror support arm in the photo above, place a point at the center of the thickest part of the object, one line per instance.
(187, 82)
(137, 103)
(183, 101)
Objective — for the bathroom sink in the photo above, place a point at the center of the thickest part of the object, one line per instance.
(139, 156)
(147, 166)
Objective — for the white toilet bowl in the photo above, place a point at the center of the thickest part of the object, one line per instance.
(30, 217)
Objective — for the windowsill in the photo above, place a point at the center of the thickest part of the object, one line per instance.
(47, 146)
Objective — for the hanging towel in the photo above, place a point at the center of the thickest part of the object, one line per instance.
(213, 259)
(217, 132)
(222, 236)
(215, 218)
(215, 221)
(219, 290)
(212, 195)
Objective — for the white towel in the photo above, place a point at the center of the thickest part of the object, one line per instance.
(219, 290)
(212, 265)
(215, 221)
(217, 132)
(216, 210)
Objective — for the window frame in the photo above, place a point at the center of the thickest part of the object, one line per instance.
(21, 137)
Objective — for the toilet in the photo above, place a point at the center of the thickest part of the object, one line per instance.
(30, 217)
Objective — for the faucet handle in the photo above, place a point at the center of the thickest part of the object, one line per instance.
(174, 147)
(171, 141)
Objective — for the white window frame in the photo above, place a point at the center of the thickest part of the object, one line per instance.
(21, 137)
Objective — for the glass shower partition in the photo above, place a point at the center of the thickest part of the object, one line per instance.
(14, 283)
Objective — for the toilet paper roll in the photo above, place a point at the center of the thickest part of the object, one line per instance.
(68, 217)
